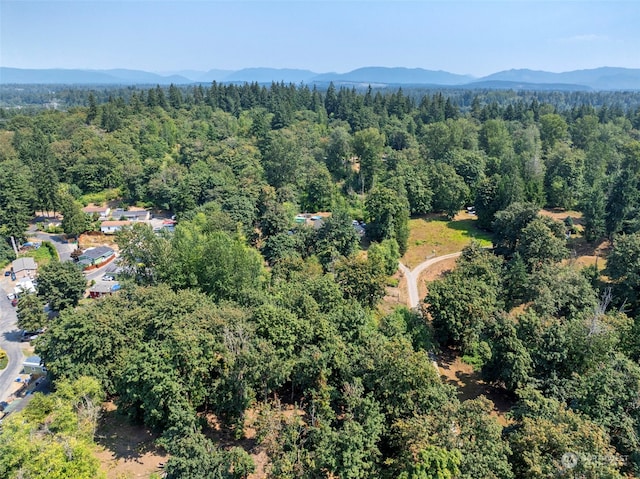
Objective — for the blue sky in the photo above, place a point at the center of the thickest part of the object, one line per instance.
(468, 37)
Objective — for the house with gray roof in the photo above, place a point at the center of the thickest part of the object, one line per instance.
(33, 365)
(24, 267)
(95, 256)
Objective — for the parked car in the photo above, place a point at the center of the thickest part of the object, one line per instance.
(13, 276)
(7, 273)
(30, 335)
(14, 302)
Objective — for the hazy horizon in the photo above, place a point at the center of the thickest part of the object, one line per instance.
(469, 38)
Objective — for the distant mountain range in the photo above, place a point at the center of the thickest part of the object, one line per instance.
(605, 78)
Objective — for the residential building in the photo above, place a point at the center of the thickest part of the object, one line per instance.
(103, 288)
(101, 211)
(112, 227)
(133, 214)
(33, 365)
(24, 268)
(96, 256)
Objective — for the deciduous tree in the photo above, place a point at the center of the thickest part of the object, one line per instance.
(61, 285)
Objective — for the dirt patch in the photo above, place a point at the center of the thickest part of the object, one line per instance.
(470, 385)
(223, 437)
(403, 290)
(127, 450)
(434, 272)
(394, 295)
(560, 214)
(93, 239)
(580, 247)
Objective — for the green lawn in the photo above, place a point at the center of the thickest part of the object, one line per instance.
(44, 254)
(434, 235)
(4, 359)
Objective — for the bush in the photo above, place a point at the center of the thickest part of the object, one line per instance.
(4, 359)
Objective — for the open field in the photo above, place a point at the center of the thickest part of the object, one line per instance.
(433, 235)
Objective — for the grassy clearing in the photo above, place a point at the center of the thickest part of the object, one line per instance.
(44, 254)
(100, 198)
(434, 235)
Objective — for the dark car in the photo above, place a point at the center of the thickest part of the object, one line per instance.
(13, 276)
(7, 273)
(30, 335)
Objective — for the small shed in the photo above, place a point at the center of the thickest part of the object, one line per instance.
(24, 267)
(33, 365)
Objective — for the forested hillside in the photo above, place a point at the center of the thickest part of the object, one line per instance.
(244, 316)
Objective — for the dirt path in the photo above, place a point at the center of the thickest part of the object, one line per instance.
(449, 366)
(412, 276)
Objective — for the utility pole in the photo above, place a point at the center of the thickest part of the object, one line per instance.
(13, 243)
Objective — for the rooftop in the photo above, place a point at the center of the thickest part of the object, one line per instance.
(33, 361)
(21, 264)
(115, 223)
(95, 209)
(104, 287)
(98, 252)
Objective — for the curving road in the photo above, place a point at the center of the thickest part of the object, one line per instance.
(64, 249)
(412, 276)
(9, 332)
(10, 343)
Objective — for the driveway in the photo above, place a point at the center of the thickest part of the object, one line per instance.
(63, 248)
(412, 276)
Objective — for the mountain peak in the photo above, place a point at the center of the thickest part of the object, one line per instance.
(602, 78)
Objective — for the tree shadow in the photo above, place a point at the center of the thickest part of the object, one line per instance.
(125, 440)
(12, 336)
(468, 229)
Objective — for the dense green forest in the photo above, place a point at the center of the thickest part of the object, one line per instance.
(241, 311)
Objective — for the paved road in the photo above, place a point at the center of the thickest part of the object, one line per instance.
(412, 276)
(96, 274)
(10, 342)
(64, 249)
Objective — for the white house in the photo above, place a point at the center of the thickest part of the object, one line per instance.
(112, 227)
